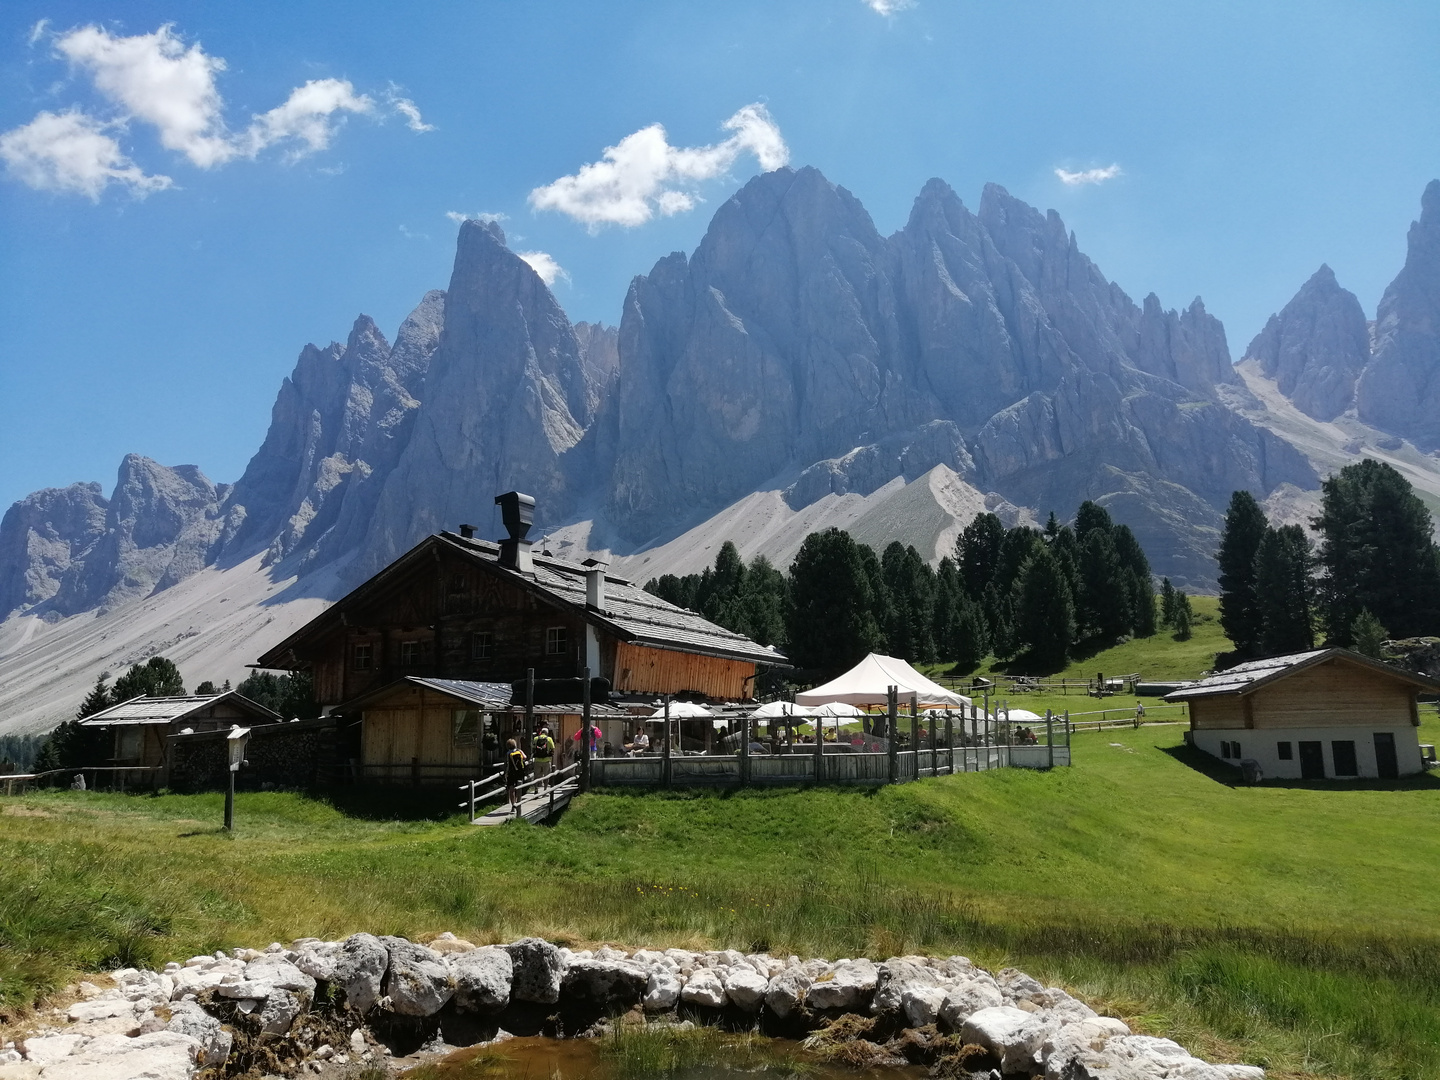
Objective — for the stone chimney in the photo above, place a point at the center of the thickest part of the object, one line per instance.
(517, 511)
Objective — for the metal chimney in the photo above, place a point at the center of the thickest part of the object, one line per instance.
(517, 511)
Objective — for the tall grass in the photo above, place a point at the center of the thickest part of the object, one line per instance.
(1289, 927)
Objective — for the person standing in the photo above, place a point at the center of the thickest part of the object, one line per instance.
(514, 770)
(544, 756)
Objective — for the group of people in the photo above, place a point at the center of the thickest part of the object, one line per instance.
(543, 752)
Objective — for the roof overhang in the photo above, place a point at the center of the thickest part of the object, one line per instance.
(1200, 691)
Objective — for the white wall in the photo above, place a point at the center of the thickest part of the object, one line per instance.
(1260, 744)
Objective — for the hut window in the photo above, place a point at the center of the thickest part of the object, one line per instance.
(409, 653)
(482, 645)
(1343, 751)
(127, 747)
(556, 641)
(466, 729)
(1235, 751)
(1224, 748)
(1285, 751)
(360, 656)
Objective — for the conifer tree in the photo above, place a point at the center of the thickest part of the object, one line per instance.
(1140, 587)
(832, 623)
(1183, 617)
(1105, 589)
(1044, 613)
(1245, 527)
(977, 553)
(1284, 591)
(1368, 635)
(1167, 603)
(157, 677)
(1377, 554)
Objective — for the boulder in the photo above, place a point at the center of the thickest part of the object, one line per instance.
(787, 990)
(417, 983)
(187, 1018)
(1015, 984)
(160, 1055)
(894, 977)
(849, 986)
(281, 1009)
(43, 1049)
(745, 987)
(101, 1008)
(608, 981)
(994, 1028)
(704, 987)
(279, 973)
(922, 1004)
(482, 979)
(319, 964)
(662, 990)
(538, 971)
(360, 970)
(966, 998)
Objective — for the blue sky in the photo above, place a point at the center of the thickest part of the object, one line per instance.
(230, 227)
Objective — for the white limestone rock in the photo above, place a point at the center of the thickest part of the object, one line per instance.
(360, 970)
(745, 987)
(538, 971)
(52, 1046)
(160, 1055)
(969, 997)
(995, 1027)
(704, 987)
(786, 990)
(418, 982)
(848, 986)
(187, 1018)
(482, 979)
(662, 990)
(609, 981)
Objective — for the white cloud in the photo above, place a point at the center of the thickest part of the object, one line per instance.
(306, 115)
(155, 78)
(544, 265)
(408, 109)
(643, 173)
(888, 7)
(458, 217)
(71, 151)
(1088, 176)
(158, 80)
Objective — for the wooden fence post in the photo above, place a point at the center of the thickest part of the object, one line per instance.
(950, 742)
(665, 774)
(819, 748)
(915, 732)
(1050, 737)
(744, 750)
(891, 723)
(583, 782)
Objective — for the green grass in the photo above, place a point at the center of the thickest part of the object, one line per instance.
(1290, 926)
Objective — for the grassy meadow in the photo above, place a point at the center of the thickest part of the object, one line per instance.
(1289, 926)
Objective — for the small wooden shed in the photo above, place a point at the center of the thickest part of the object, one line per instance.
(1325, 714)
(423, 731)
(142, 724)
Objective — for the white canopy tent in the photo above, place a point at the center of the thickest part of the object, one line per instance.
(774, 710)
(868, 681)
(686, 710)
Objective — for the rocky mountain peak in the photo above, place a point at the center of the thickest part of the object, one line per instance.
(1399, 391)
(1315, 347)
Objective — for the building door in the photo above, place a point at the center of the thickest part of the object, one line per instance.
(1312, 761)
(1385, 759)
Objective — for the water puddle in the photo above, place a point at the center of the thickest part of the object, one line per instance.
(652, 1053)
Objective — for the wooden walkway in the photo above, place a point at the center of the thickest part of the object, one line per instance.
(535, 806)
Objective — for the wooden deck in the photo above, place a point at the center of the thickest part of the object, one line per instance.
(535, 807)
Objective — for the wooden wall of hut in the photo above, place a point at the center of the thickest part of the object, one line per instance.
(641, 670)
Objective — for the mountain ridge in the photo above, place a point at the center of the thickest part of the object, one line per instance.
(976, 359)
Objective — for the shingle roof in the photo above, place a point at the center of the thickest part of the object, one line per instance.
(630, 613)
(1245, 678)
(488, 696)
(166, 710)
(637, 616)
